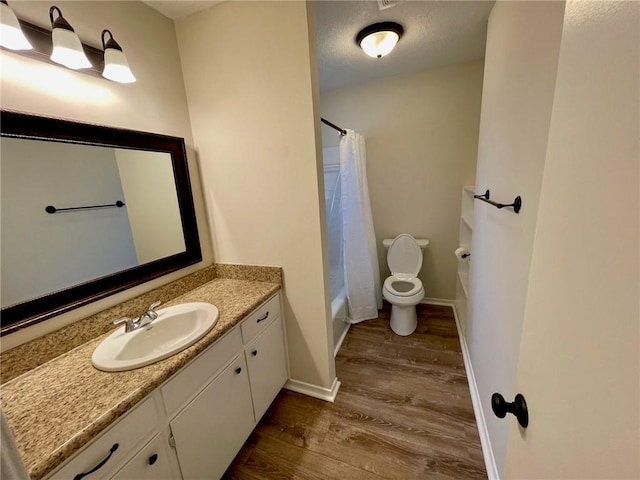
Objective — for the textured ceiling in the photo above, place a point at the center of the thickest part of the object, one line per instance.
(180, 9)
(435, 34)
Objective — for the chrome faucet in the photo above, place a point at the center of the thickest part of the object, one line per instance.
(149, 316)
(129, 324)
(145, 319)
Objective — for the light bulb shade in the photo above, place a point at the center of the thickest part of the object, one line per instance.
(67, 49)
(11, 35)
(116, 67)
(379, 39)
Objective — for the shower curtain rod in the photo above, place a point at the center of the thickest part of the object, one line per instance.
(342, 131)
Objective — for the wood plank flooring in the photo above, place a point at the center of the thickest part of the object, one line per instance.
(403, 412)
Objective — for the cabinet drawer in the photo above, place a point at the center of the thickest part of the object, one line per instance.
(259, 319)
(196, 374)
(126, 433)
(150, 463)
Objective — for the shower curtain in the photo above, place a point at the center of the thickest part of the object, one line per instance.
(361, 269)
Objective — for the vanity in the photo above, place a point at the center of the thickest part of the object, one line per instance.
(117, 212)
(183, 417)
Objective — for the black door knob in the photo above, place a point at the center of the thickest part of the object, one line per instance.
(518, 407)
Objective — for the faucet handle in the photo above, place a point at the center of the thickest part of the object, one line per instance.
(154, 305)
(129, 323)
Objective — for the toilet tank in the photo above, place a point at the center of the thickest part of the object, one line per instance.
(422, 242)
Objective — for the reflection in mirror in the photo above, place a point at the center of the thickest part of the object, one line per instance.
(58, 255)
(43, 252)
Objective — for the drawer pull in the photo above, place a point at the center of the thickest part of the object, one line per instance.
(254, 353)
(153, 459)
(238, 370)
(266, 315)
(98, 466)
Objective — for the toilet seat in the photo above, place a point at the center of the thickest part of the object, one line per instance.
(414, 283)
(404, 259)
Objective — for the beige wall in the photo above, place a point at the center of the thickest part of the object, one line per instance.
(579, 362)
(155, 103)
(37, 247)
(152, 203)
(421, 133)
(247, 68)
(523, 42)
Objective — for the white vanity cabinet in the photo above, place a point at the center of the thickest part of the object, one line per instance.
(193, 425)
(211, 429)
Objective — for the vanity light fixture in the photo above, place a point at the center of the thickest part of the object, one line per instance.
(11, 35)
(62, 46)
(116, 67)
(67, 48)
(379, 39)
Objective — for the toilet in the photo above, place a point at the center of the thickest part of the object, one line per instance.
(403, 289)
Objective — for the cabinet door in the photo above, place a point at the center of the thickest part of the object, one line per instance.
(211, 429)
(151, 463)
(267, 366)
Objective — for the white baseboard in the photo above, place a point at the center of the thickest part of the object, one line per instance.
(341, 339)
(327, 394)
(439, 301)
(485, 441)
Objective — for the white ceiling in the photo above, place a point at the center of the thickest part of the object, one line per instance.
(436, 33)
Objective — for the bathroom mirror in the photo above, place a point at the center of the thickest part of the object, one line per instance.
(87, 211)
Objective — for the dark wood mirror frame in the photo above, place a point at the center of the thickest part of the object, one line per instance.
(28, 126)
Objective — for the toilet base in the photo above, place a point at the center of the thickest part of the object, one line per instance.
(404, 319)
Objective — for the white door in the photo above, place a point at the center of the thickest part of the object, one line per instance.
(579, 366)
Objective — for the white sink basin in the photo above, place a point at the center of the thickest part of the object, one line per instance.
(175, 329)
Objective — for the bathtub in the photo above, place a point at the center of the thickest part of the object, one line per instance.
(339, 314)
(339, 310)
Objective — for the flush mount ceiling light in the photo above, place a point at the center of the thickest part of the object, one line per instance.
(67, 48)
(116, 67)
(379, 39)
(11, 35)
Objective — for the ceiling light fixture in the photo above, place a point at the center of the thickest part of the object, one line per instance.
(379, 39)
(67, 48)
(11, 35)
(116, 67)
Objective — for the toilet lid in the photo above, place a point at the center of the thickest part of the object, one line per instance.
(404, 256)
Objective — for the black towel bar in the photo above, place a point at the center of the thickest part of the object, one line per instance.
(52, 209)
(516, 205)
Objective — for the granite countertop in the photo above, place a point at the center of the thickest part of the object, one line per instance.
(59, 406)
